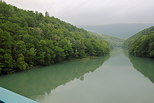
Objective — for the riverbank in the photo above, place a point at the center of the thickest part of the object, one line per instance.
(12, 71)
(118, 79)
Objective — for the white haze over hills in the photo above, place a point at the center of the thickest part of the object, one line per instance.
(92, 12)
(120, 18)
(117, 30)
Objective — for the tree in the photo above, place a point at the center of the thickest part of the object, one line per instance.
(47, 14)
(30, 56)
(20, 62)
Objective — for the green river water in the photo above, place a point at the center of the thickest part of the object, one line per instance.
(117, 78)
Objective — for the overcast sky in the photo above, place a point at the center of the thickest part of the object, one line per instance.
(93, 12)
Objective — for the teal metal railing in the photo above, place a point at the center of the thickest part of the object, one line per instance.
(7, 96)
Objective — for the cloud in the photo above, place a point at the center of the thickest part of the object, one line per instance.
(93, 12)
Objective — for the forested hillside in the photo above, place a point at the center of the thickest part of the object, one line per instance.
(113, 41)
(28, 39)
(142, 43)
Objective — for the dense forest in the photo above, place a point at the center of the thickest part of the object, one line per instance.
(29, 38)
(142, 43)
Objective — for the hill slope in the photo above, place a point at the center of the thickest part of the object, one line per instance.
(142, 43)
(28, 38)
(117, 30)
(113, 41)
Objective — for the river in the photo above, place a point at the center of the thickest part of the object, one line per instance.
(117, 78)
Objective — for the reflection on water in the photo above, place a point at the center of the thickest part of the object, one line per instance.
(144, 65)
(116, 81)
(44, 79)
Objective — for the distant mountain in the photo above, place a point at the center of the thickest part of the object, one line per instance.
(117, 30)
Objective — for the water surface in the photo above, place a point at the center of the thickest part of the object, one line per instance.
(115, 79)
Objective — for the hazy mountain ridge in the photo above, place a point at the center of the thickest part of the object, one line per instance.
(118, 30)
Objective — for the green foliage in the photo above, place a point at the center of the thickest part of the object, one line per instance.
(20, 62)
(113, 41)
(141, 44)
(29, 39)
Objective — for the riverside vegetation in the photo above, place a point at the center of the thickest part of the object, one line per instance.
(29, 38)
(142, 43)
